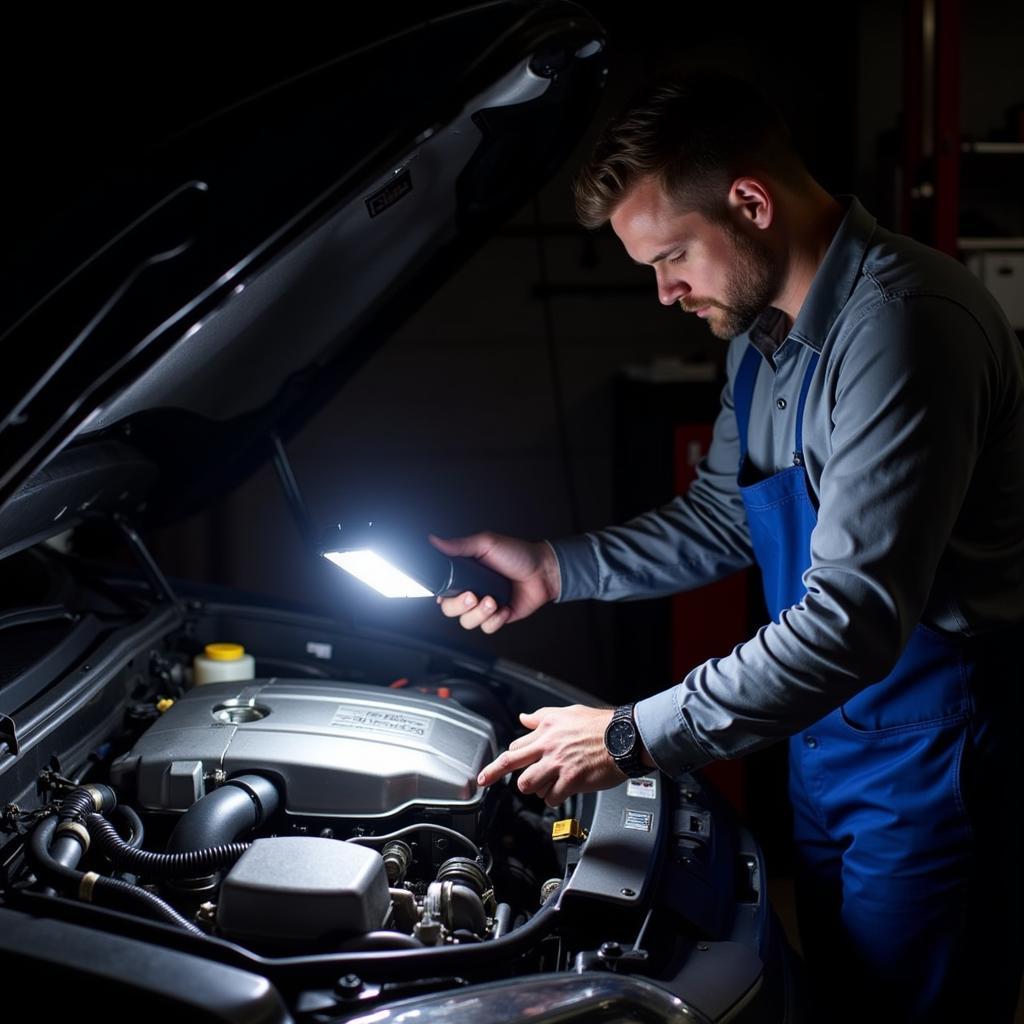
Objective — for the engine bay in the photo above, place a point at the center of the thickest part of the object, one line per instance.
(370, 795)
(298, 816)
(321, 821)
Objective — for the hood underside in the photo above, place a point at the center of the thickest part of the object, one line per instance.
(274, 245)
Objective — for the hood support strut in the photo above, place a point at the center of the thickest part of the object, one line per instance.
(154, 575)
(293, 496)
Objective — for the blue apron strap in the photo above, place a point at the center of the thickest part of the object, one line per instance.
(743, 394)
(798, 449)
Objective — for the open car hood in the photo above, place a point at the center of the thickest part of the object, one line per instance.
(248, 265)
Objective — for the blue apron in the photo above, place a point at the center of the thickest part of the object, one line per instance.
(906, 814)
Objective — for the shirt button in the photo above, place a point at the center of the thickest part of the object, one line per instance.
(781, 403)
(810, 741)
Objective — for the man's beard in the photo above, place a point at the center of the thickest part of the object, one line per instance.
(751, 283)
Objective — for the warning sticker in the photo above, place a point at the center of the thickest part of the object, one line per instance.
(639, 821)
(373, 720)
(319, 650)
(645, 788)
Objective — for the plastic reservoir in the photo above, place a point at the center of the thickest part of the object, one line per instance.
(222, 663)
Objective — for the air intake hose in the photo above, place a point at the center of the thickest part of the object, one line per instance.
(239, 806)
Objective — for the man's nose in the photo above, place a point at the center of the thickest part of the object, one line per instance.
(670, 288)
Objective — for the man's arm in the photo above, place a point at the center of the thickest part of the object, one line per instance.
(696, 538)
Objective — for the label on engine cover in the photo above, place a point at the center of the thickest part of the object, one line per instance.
(646, 788)
(376, 720)
(639, 821)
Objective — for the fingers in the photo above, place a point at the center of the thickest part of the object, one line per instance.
(541, 790)
(479, 611)
(506, 762)
(523, 752)
(496, 621)
(484, 615)
(452, 607)
(539, 778)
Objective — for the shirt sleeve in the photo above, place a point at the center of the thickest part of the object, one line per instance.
(910, 383)
(694, 539)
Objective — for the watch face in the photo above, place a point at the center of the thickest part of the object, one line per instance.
(620, 738)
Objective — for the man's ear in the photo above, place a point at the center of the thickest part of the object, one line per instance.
(752, 199)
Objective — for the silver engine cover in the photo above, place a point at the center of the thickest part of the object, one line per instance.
(340, 750)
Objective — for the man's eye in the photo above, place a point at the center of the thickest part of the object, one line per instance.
(679, 257)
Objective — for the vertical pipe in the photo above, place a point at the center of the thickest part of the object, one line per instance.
(913, 91)
(947, 125)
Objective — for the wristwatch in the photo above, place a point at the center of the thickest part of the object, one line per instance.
(622, 741)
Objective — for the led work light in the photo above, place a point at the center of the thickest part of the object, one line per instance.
(399, 565)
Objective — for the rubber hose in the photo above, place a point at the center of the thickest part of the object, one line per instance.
(134, 822)
(190, 864)
(43, 860)
(467, 911)
(239, 806)
(68, 848)
(121, 895)
(81, 801)
(502, 920)
(112, 891)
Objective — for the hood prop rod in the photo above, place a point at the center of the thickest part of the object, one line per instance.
(154, 576)
(293, 496)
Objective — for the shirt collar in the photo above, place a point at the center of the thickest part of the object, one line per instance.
(833, 283)
(830, 289)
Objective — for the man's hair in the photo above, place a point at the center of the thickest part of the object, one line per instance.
(697, 133)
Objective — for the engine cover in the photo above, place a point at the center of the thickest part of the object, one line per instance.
(338, 750)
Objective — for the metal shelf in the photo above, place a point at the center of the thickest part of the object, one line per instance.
(993, 147)
(976, 244)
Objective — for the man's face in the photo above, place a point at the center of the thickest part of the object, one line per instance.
(715, 269)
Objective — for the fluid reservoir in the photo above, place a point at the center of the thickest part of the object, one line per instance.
(221, 663)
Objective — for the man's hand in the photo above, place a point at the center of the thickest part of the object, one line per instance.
(530, 566)
(563, 755)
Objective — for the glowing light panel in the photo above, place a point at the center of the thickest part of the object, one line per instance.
(373, 570)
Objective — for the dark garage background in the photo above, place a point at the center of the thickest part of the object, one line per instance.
(493, 406)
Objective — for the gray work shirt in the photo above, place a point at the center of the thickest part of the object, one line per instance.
(914, 449)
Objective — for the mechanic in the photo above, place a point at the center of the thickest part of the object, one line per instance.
(869, 455)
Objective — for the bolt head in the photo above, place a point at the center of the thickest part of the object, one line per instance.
(348, 985)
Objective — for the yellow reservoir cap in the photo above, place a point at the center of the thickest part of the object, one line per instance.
(224, 652)
(568, 829)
